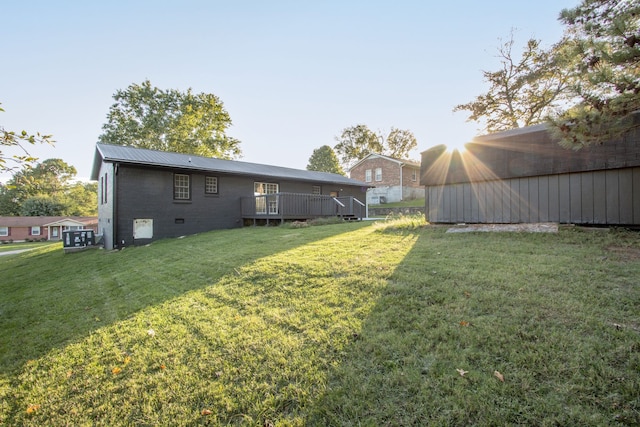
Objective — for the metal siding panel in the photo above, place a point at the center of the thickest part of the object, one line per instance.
(613, 197)
(576, 198)
(490, 213)
(564, 198)
(636, 195)
(553, 198)
(468, 196)
(440, 198)
(497, 201)
(524, 199)
(533, 199)
(506, 201)
(475, 203)
(446, 203)
(514, 205)
(543, 199)
(587, 198)
(599, 195)
(626, 196)
(460, 202)
(482, 202)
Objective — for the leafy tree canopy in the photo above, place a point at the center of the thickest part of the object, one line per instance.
(601, 54)
(324, 159)
(170, 120)
(48, 187)
(586, 86)
(523, 92)
(358, 141)
(19, 140)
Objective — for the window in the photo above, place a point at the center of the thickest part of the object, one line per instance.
(367, 175)
(378, 174)
(414, 175)
(4, 231)
(316, 190)
(35, 231)
(181, 190)
(261, 190)
(211, 185)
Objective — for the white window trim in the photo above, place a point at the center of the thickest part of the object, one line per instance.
(180, 187)
(4, 231)
(367, 175)
(378, 174)
(34, 229)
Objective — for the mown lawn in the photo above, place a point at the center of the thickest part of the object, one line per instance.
(7, 247)
(350, 324)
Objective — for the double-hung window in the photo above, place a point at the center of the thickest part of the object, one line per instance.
(367, 175)
(4, 231)
(35, 230)
(181, 187)
(378, 174)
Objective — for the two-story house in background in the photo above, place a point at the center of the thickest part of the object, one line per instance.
(393, 179)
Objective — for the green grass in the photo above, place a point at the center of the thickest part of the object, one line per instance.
(415, 203)
(6, 247)
(349, 324)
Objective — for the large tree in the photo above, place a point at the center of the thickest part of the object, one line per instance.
(601, 53)
(324, 159)
(48, 186)
(522, 92)
(358, 141)
(20, 141)
(170, 120)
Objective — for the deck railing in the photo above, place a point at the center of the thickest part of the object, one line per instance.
(300, 206)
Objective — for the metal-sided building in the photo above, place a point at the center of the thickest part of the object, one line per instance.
(524, 176)
(145, 195)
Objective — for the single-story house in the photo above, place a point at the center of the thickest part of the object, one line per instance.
(21, 228)
(145, 195)
(391, 179)
(524, 176)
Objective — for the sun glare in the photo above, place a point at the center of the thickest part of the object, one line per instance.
(452, 146)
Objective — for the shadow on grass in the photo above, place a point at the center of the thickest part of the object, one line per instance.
(458, 309)
(49, 299)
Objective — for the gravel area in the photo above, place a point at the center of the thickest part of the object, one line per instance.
(545, 227)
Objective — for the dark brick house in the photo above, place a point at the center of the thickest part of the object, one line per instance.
(145, 195)
(392, 180)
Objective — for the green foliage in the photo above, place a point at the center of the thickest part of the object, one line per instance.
(601, 53)
(19, 140)
(522, 92)
(42, 206)
(170, 120)
(324, 159)
(48, 187)
(356, 142)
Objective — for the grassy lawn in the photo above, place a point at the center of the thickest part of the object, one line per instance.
(6, 247)
(340, 325)
(415, 203)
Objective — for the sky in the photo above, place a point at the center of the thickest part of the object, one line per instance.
(291, 74)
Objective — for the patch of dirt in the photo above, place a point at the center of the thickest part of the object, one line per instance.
(522, 228)
(625, 253)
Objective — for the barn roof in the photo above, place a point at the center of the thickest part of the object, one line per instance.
(164, 159)
(525, 152)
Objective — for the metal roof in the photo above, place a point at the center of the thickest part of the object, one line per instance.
(143, 157)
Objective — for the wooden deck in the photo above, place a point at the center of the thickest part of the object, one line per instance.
(293, 206)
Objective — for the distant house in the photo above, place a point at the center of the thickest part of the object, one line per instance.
(524, 176)
(392, 180)
(22, 228)
(145, 195)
